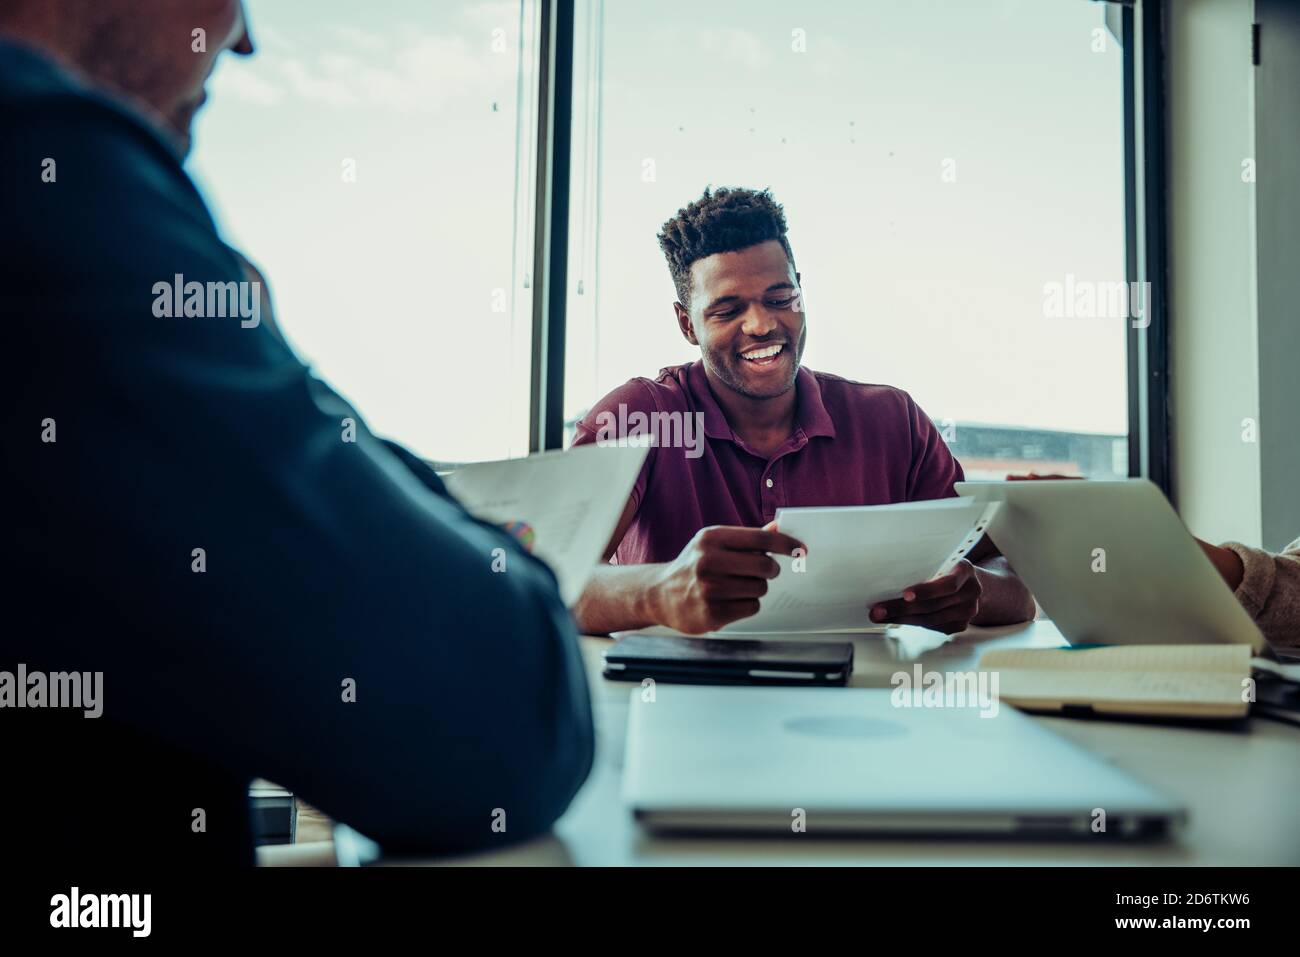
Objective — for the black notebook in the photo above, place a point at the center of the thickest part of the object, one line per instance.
(720, 661)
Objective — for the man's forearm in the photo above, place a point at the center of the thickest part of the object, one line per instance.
(618, 598)
(1004, 599)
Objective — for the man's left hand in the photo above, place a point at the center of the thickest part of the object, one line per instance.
(945, 604)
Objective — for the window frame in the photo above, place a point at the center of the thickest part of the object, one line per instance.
(1142, 40)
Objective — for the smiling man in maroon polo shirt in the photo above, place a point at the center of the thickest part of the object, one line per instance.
(746, 430)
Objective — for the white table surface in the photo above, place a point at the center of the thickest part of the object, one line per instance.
(1241, 784)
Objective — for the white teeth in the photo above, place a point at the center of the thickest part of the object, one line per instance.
(762, 353)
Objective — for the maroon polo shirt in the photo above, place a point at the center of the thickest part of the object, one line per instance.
(853, 444)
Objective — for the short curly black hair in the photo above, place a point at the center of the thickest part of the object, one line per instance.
(720, 221)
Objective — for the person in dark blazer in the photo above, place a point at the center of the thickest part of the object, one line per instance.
(264, 587)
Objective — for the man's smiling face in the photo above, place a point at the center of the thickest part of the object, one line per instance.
(746, 315)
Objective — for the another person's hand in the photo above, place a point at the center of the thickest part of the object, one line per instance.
(945, 604)
(1226, 562)
(719, 577)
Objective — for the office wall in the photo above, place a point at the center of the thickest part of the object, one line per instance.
(1277, 193)
(1214, 342)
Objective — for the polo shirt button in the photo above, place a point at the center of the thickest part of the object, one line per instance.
(769, 483)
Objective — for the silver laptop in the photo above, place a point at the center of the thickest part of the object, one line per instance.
(1111, 563)
(834, 760)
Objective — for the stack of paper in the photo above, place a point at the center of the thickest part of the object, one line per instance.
(569, 502)
(860, 555)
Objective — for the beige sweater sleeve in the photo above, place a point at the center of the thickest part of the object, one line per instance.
(1270, 591)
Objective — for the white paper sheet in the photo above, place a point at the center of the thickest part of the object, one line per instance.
(572, 501)
(861, 555)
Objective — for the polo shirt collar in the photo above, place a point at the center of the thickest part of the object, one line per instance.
(810, 411)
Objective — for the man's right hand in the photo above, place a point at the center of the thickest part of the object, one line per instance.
(719, 577)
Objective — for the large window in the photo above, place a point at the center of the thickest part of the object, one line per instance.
(376, 161)
(944, 165)
(953, 177)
